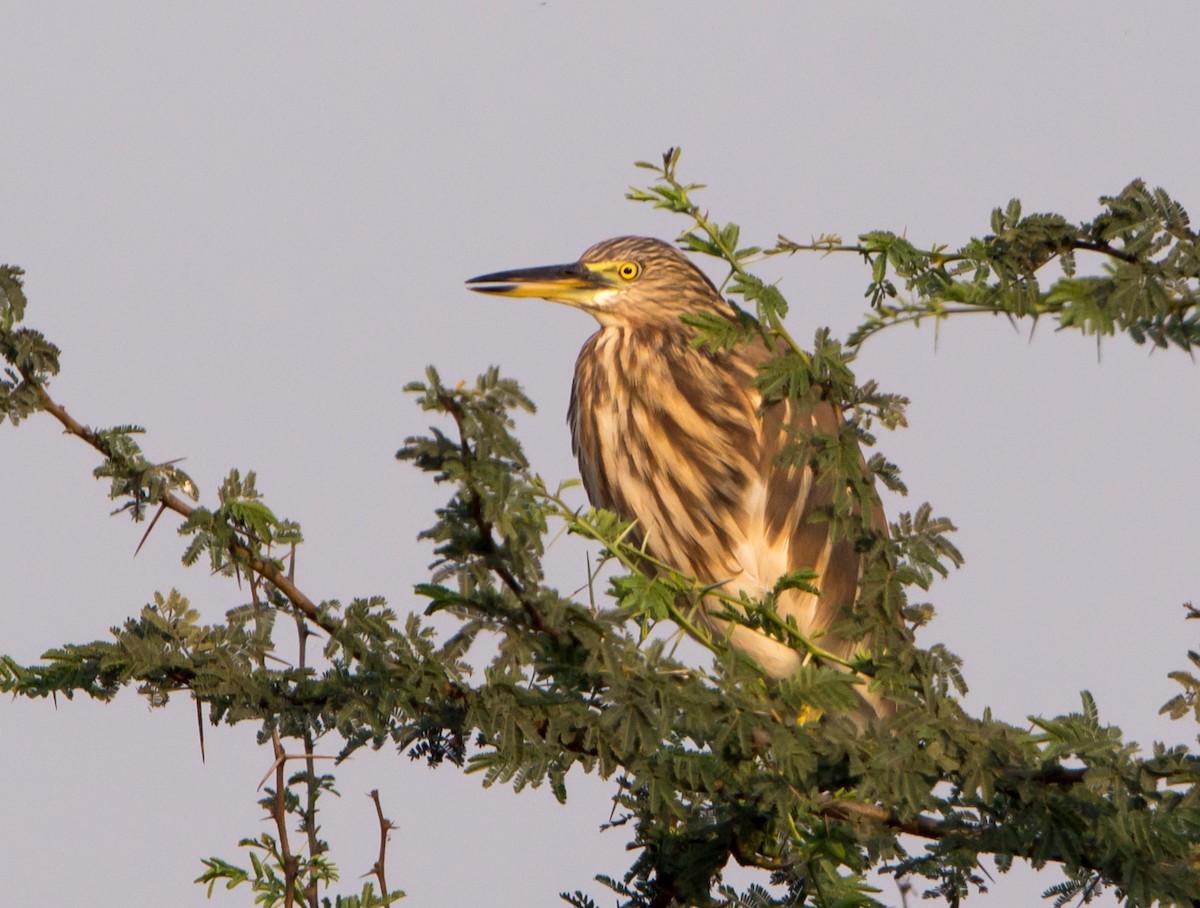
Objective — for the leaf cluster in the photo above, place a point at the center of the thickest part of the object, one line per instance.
(1147, 286)
(29, 358)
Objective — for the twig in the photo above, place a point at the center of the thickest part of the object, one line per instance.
(385, 828)
(1106, 249)
(280, 759)
(313, 787)
(922, 826)
(289, 861)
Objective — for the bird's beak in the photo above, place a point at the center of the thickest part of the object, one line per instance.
(574, 283)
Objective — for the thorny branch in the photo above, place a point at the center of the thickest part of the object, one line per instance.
(313, 787)
(238, 551)
(289, 861)
(385, 828)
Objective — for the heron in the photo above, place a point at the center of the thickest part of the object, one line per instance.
(677, 439)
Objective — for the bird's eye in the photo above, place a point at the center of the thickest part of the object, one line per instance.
(629, 270)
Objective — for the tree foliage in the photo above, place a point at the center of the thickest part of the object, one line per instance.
(710, 763)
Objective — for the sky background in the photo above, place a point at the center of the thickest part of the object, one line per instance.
(247, 226)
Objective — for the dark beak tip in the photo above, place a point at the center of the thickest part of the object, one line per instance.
(543, 273)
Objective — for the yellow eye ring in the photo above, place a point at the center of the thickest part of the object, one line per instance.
(629, 270)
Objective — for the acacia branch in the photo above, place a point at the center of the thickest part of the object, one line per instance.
(290, 862)
(311, 784)
(790, 247)
(385, 828)
(923, 826)
(1106, 249)
(242, 553)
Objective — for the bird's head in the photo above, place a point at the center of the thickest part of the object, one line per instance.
(630, 280)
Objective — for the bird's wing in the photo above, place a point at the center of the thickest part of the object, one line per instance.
(797, 505)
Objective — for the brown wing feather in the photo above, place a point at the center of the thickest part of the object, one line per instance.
(797, 501)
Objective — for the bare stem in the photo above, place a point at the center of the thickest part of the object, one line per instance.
(385, 828)
(289, 861)
(313, 787)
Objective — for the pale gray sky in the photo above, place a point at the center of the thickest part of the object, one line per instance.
(247, 226)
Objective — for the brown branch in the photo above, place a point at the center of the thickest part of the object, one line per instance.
(791, 247)
(313, 787)
(289, 861)
(385, 828)
(930, 828)
(941, 258)
(264, 569)
(1106, 249)
(923, 826)
(1052, 775)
